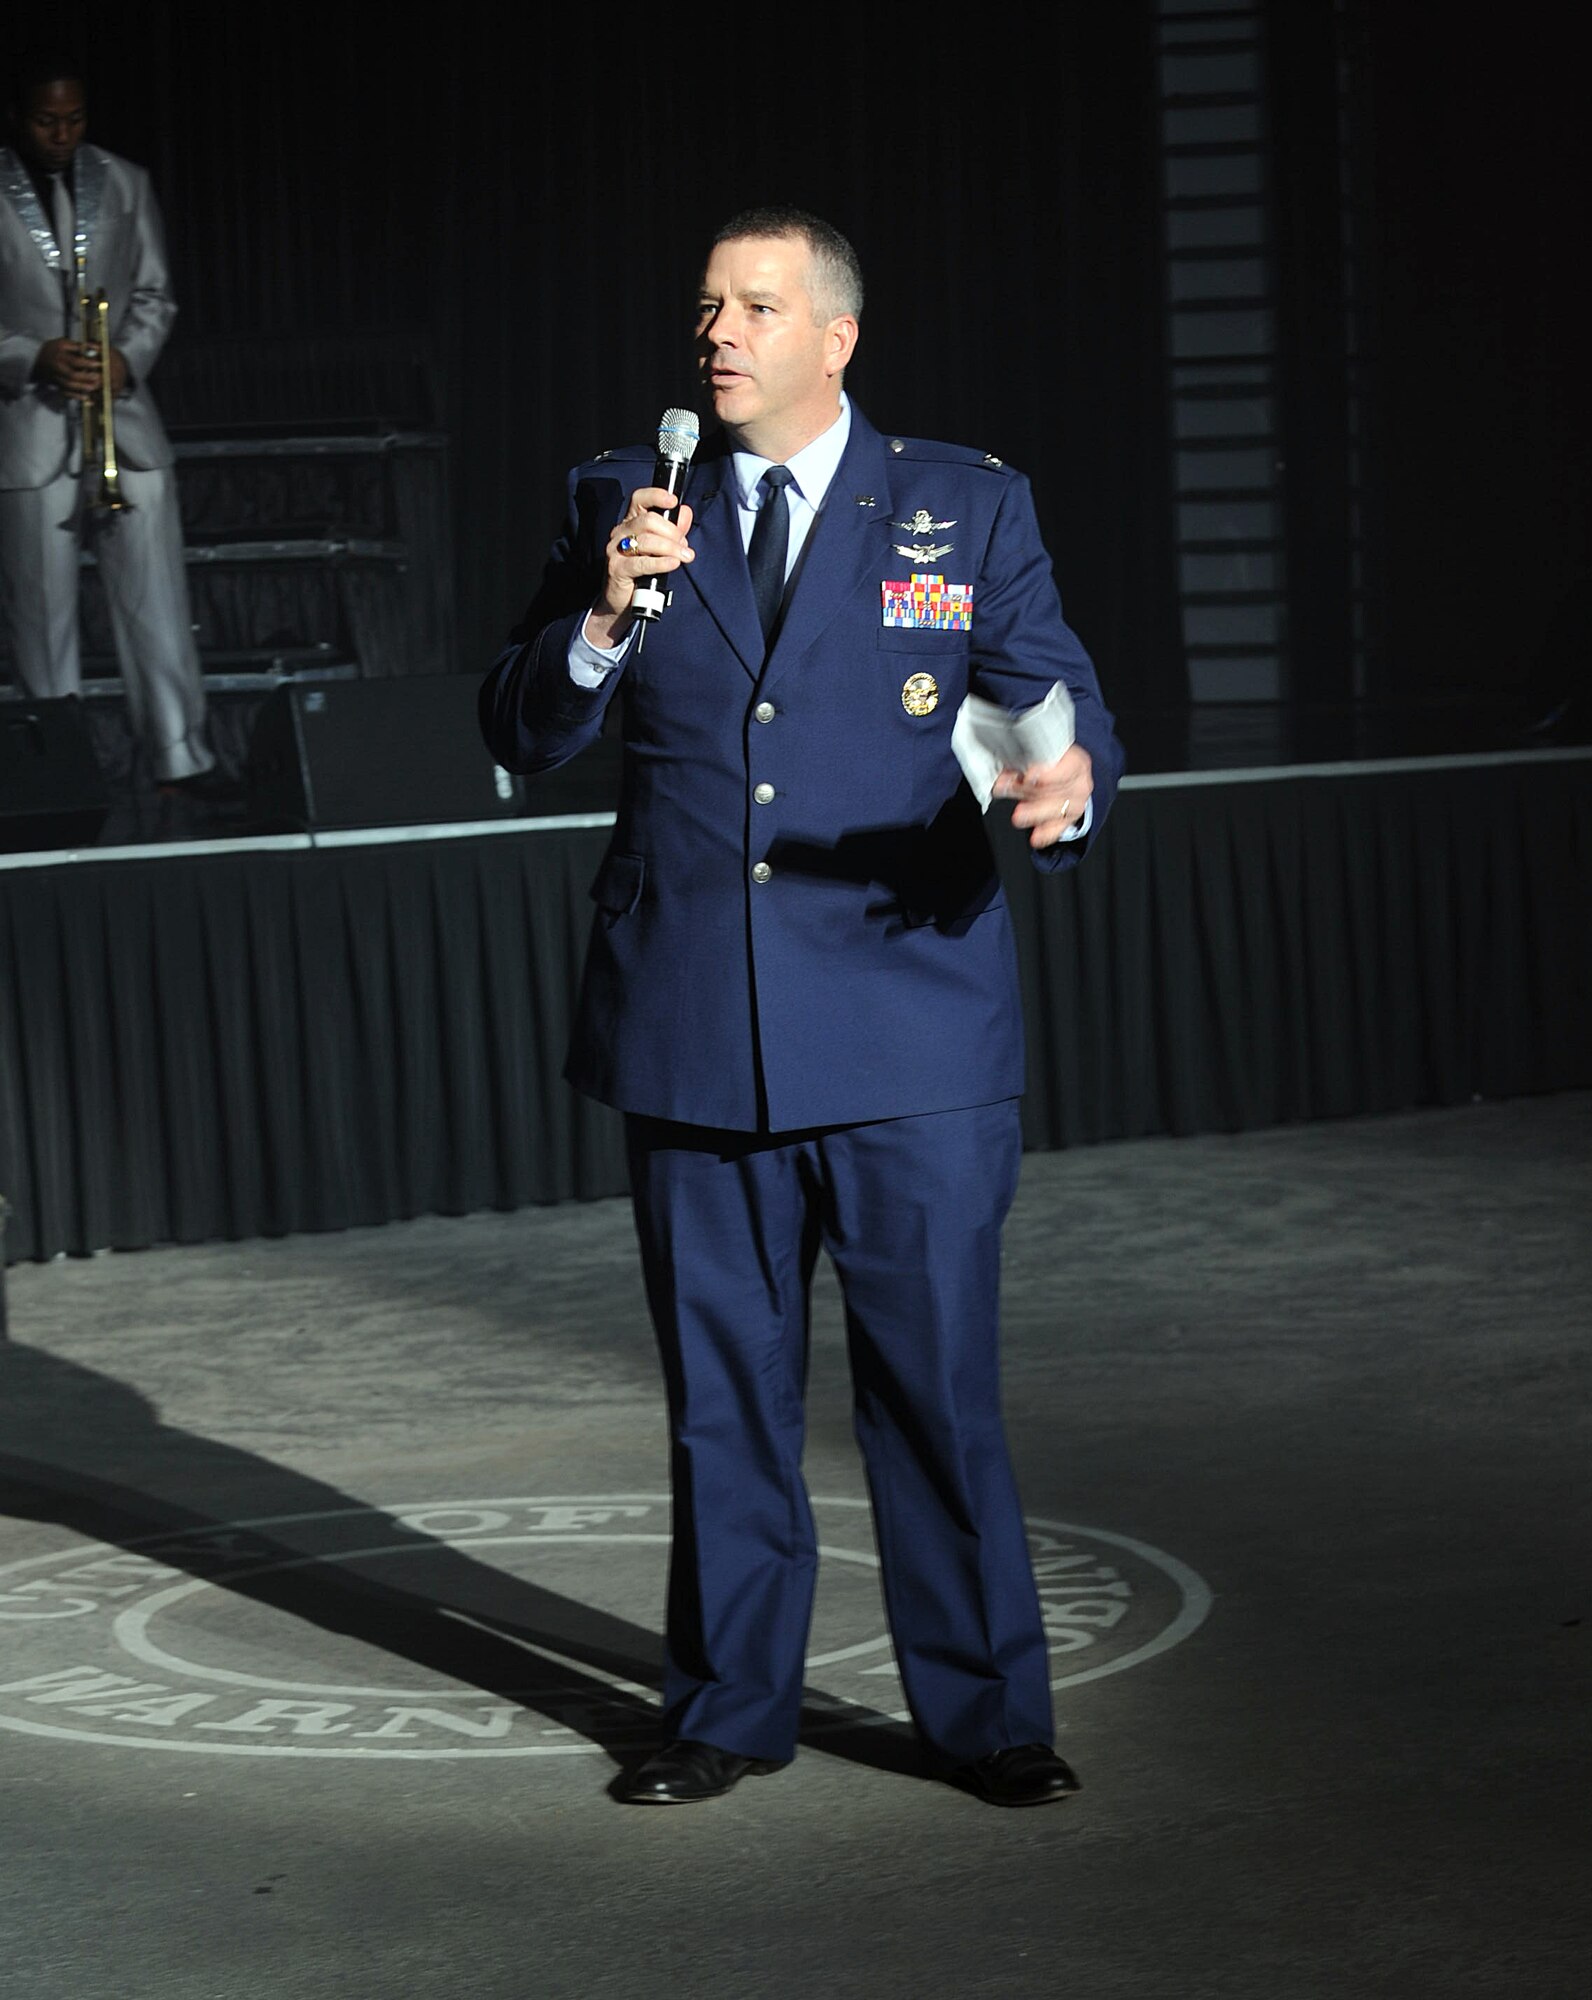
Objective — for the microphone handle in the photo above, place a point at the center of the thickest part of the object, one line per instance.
(652, 593)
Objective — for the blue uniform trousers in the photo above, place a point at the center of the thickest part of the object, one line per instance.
(910, 1211)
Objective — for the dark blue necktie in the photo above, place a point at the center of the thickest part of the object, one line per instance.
(770, 540)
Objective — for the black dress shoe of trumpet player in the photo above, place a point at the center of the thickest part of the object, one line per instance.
(684, 1771)
(210, 787)
(1030, 1775)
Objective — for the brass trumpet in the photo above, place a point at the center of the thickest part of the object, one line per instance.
(99, 412)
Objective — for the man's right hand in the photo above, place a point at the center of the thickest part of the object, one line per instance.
(66, 365)
(656, 545)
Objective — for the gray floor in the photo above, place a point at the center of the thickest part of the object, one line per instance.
(1333, 1376)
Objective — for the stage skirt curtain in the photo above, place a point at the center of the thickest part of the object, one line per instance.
(247, 1044)
(1246, 954)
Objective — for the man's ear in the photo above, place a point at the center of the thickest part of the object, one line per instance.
(840, 340)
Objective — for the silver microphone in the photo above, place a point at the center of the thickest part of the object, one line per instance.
(679, 433)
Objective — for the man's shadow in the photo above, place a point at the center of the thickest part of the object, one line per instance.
(91, 1454)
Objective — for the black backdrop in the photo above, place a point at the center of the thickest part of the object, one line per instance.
(1476, 153)
(1468, 153)
(527, 203)
(536, 204)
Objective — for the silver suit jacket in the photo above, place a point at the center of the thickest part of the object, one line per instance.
(118, 227)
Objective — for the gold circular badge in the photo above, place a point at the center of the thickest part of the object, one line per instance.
(921, 695)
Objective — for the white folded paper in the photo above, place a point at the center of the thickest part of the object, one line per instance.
(989, 739)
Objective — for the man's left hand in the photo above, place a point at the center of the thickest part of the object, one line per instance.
(1051, 798)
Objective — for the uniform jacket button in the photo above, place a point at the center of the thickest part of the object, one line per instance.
(764, 795)
(764, 711)
(761, 872)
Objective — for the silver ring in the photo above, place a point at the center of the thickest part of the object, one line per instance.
(627, 545)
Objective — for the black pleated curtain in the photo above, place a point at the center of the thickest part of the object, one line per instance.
(232, 1044)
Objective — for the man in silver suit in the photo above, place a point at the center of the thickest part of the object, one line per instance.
(61, 200)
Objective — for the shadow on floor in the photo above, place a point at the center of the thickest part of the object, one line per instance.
(91, 1454)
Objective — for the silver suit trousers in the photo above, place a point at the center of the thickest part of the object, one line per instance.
(146, 587)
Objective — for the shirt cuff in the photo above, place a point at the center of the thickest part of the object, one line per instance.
(1077, 832)
(589, 665)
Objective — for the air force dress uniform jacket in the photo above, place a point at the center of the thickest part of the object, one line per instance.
(799, 922)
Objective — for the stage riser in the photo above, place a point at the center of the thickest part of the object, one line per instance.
(343, 547)
(248, 1044)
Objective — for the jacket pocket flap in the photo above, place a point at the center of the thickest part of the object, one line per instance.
(618, 885)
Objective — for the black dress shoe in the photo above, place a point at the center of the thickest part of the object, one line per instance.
(684, 1771)
(1031, 1775)
(211, 787)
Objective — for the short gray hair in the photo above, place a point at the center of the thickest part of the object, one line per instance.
(836, 286)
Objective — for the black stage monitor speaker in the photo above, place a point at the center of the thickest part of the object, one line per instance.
(52, 792)
(400, 753)
(376, 753)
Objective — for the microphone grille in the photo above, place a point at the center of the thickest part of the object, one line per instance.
(678, 434)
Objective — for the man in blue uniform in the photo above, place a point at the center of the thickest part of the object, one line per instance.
(801, 991)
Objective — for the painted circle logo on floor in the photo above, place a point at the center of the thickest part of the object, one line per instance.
(475, 1628)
